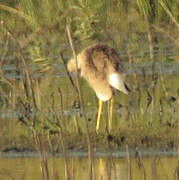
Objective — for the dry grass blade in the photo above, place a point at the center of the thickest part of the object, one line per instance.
(5, 52)
(90, 149)
(14, 12)
(68, 74)
(169, 13)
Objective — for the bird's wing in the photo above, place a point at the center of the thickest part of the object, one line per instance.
(117, 81)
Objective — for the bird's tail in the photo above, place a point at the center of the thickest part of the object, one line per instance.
(117, 81)
(127, 90)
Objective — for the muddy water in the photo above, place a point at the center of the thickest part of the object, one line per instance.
(151, 168)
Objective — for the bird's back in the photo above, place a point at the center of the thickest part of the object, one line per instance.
(101, 58)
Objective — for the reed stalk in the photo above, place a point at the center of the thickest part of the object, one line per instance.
(167, 34)
(6, 47)
(57, 118)
(154, 173)
(62, 142)
(75, 88)
(43, 158)
(177, 168)
(90, 148)
(25, 74)
(54, 166)
(32, 102)
(68, 74)
(141, 165)
(169, 13)
(129, 175)
(150, 39)
(131, 64)
(2, 60)
(14, 12)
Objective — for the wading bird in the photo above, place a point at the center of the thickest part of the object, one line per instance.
(101, 66)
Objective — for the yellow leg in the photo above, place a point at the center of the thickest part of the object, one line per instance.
(110, 114)
(99, 114)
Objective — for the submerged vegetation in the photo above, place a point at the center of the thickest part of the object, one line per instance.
(41, 107)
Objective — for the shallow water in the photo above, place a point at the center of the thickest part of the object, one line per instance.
(28, 168)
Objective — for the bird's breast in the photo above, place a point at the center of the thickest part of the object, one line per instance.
(101, 87)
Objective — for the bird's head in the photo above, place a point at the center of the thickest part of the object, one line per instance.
(71, 65)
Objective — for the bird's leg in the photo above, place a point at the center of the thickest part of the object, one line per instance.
(110, 113)
(99, 114)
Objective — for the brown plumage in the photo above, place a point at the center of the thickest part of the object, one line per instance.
(101, 66)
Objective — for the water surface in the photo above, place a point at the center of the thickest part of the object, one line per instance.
(159, 168)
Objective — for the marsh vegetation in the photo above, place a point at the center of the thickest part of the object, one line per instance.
(41, 106)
